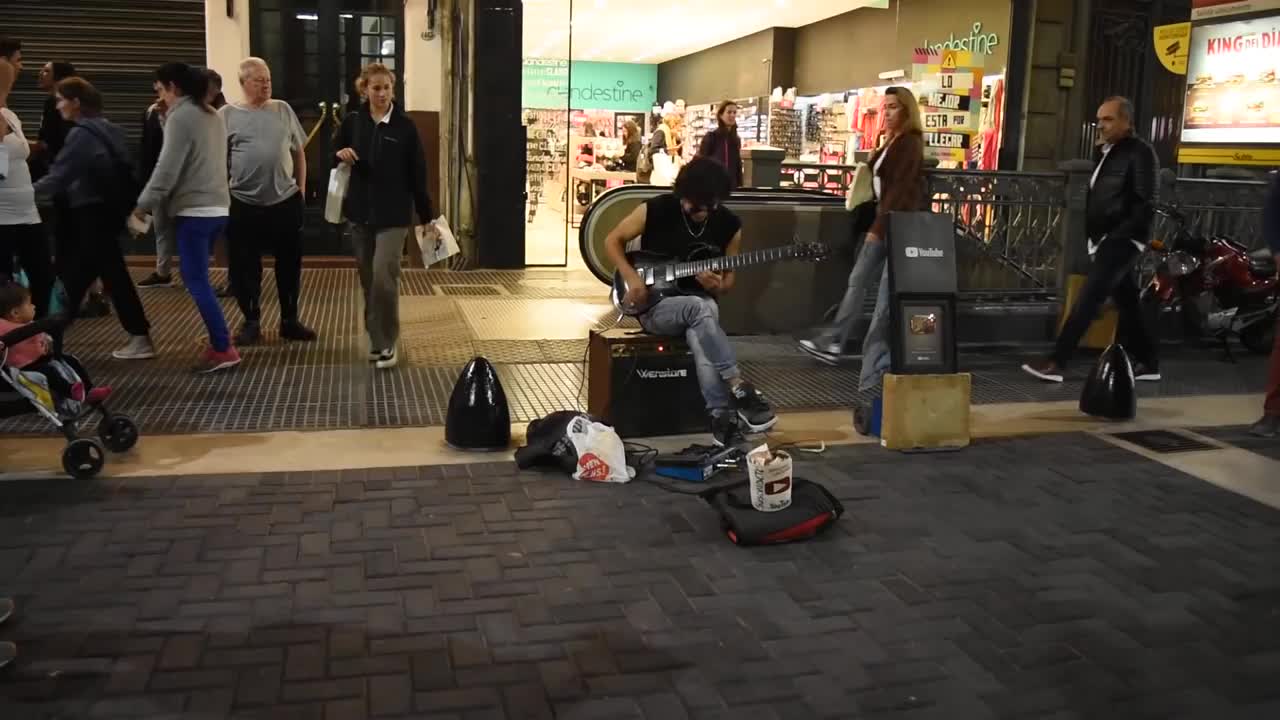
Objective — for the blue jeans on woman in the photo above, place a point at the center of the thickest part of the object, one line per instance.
(195, 242)
(871, 263)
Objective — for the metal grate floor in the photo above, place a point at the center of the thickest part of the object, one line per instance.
(1163, 442)
(536, 337)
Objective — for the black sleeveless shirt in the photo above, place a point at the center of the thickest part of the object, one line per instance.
(667, 230)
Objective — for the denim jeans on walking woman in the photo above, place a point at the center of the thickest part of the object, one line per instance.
(875, 347)
(195, 240)
(697, 319)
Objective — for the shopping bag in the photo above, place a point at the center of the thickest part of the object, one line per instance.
(665, 169)
(601, 455)
(861, 189)
(437, 246)
(339, 178)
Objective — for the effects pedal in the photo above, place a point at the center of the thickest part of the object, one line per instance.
(698, 466)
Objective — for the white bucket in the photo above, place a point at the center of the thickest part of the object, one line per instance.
(770, 479)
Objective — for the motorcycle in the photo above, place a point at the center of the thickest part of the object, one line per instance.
(1223, 289)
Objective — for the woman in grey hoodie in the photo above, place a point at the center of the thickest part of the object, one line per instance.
(190, 185)
(92, 159)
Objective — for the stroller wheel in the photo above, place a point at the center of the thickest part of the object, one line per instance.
(83, 458)
(118, 432)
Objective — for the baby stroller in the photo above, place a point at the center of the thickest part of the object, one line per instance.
(23, 390)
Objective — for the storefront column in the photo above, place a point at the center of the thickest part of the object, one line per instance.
(498, 134)
(1021, 28)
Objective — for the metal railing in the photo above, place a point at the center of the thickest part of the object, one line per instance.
(1012, 227)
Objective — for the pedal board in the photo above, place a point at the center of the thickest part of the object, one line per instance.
(698, 466)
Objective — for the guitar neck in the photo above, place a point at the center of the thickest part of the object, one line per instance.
(731, 262)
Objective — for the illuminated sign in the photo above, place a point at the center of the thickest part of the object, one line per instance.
(1232, 94)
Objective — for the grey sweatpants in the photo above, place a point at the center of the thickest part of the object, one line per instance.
(166, 242)
(377, 252)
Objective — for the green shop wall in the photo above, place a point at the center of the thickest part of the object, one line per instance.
(627, 87)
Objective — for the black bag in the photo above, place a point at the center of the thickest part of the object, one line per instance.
(811, 512)
(119, 187)
(861, 218)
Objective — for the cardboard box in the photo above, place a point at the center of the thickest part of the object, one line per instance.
(926, 412)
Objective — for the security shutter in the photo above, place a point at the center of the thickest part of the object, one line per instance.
(115, 45)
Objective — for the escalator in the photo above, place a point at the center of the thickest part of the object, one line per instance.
(995, 306)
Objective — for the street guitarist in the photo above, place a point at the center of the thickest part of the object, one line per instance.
(673, 224)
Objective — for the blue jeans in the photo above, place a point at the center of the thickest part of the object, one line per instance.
(875, 346)
(697, 319)
(195, 241)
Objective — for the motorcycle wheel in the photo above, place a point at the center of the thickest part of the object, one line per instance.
(1260, 337)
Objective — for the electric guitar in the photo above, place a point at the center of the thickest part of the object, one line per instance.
(665, 276)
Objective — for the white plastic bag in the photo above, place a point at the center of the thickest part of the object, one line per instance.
(339, 177)
(601, 456)
(665, 169)
(440, 247)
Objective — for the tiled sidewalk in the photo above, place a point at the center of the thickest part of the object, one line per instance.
(1046, 578)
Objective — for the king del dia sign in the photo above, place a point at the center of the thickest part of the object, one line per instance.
(625, 87)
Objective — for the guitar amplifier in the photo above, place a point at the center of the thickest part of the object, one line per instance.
(644, 385)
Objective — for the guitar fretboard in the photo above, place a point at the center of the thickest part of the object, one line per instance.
(733, 262)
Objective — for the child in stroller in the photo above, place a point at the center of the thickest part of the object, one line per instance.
(54, 385)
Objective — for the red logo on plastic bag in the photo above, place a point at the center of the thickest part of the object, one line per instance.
(591, 467)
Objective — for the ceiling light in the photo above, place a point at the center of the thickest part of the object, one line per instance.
(307, 16)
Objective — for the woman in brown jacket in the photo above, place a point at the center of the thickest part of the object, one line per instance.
(898, 183)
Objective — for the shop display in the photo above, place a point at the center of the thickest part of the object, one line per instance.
(545, 153)
(786, 129)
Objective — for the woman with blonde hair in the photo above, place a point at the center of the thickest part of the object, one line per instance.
(388, 182)
(665, 147)
(898, 186)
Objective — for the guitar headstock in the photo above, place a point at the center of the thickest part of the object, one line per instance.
(810, 250)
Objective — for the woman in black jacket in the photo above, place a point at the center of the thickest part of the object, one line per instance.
(723, 144)
(388, 183)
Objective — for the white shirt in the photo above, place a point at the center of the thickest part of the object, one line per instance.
(1093, 246)
(875, 171)
(17, 199)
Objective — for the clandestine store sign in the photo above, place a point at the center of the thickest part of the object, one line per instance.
(1232, 94)
(626, 87)
(950, 84)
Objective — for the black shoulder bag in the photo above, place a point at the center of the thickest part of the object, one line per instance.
(119, 188)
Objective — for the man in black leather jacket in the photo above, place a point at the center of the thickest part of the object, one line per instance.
(1121, 205)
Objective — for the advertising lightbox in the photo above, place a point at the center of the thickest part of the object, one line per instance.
(1232, 93)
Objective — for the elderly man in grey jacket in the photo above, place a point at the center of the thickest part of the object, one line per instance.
(268, 168)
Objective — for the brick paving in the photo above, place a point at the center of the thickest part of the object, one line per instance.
(1038, 578)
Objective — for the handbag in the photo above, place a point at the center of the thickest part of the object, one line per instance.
(339, 179)
(861, 188)
(441, 247)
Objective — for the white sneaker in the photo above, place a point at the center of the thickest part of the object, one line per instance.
(387, 359)
(139, 347)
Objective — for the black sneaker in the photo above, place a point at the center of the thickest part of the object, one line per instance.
(226, 291)
(1146, 373)
(6, 609)
(250, 334)
(294, 330)
(753, 411)
(8, 653)
(96, 307)
(156, 280)
(725, 431)
(1267, 427)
